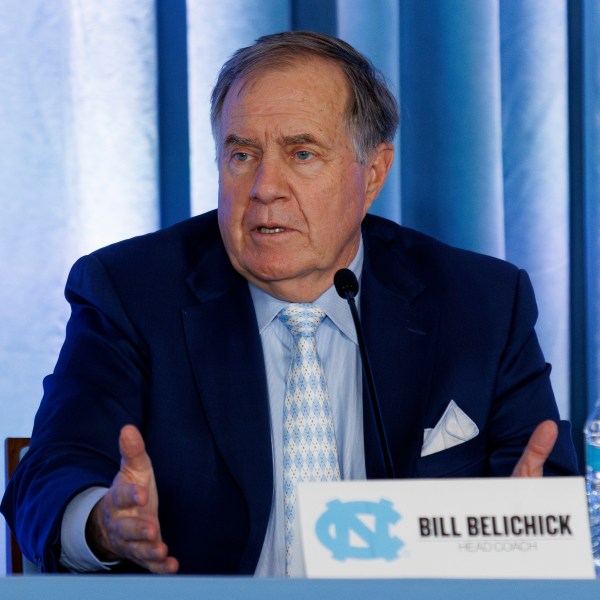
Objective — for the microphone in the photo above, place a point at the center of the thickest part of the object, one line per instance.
(346, 286)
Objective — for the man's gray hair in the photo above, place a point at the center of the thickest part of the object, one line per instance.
(372, 112)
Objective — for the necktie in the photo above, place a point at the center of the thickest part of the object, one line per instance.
(309, 447)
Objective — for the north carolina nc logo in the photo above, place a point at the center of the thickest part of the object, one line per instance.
(342, 518)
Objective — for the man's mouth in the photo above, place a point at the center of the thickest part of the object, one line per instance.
(270, 229)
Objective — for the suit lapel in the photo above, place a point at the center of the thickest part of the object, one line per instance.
(400, 322)
(227, 360)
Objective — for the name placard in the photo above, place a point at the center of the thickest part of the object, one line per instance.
(445, 528)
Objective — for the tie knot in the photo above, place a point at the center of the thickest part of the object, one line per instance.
(302, 320)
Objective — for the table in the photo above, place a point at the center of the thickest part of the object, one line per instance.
(182, 587)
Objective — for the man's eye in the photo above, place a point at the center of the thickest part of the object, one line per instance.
(304, 155)
(241, 156)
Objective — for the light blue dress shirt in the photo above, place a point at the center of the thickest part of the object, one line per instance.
(337, 346)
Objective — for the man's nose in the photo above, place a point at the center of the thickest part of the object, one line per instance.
(271, 183)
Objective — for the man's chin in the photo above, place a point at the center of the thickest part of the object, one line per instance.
(295, 285)
(272, 277)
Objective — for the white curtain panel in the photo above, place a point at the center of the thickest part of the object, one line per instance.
(78, 169)
(535, 133)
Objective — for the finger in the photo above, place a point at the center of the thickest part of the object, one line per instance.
(152, 556)
(124, 495)
(133, 450)
(168, 566)
(144, 552)
(539, 447)
(134, 529)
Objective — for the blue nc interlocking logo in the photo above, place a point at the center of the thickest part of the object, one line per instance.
(341, 518)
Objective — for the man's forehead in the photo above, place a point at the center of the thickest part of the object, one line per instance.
(302, 65)
(285, 64)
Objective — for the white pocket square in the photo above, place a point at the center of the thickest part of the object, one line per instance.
(455, 427)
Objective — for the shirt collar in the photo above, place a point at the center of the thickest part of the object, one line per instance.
(267, 307)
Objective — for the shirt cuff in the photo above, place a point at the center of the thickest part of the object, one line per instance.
(75, 553)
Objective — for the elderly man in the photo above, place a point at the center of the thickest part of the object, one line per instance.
(180, 343)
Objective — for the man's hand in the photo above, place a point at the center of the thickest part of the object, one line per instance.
(541, 442)
(124, 523)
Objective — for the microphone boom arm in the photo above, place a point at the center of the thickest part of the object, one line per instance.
(346, 285)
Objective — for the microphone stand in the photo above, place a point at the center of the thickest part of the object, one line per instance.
(346, 285)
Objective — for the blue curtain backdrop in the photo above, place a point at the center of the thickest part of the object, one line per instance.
(104, 134)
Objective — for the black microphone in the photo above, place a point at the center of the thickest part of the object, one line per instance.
(346, 285)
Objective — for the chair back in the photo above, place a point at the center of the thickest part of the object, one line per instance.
(14, 449)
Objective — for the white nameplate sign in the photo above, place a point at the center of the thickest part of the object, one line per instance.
(445, 528)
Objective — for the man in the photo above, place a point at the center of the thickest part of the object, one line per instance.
(177, 349)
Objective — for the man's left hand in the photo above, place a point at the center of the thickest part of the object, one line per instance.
(541, 442)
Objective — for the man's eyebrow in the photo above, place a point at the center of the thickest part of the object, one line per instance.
(289, 140)
(299, 138)
(236, 140)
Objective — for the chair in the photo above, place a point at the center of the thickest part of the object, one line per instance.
(15, 449)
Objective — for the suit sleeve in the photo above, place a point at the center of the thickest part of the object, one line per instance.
(523, 394)
(98, 385)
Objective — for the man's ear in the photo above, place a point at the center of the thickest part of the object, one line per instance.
(376, 171)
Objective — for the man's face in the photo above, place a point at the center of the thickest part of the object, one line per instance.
(291, 193)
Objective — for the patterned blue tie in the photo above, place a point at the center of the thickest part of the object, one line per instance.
(309, 448)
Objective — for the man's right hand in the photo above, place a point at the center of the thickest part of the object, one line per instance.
(124, 525)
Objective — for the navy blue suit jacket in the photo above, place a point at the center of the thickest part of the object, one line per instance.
(157, 325)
